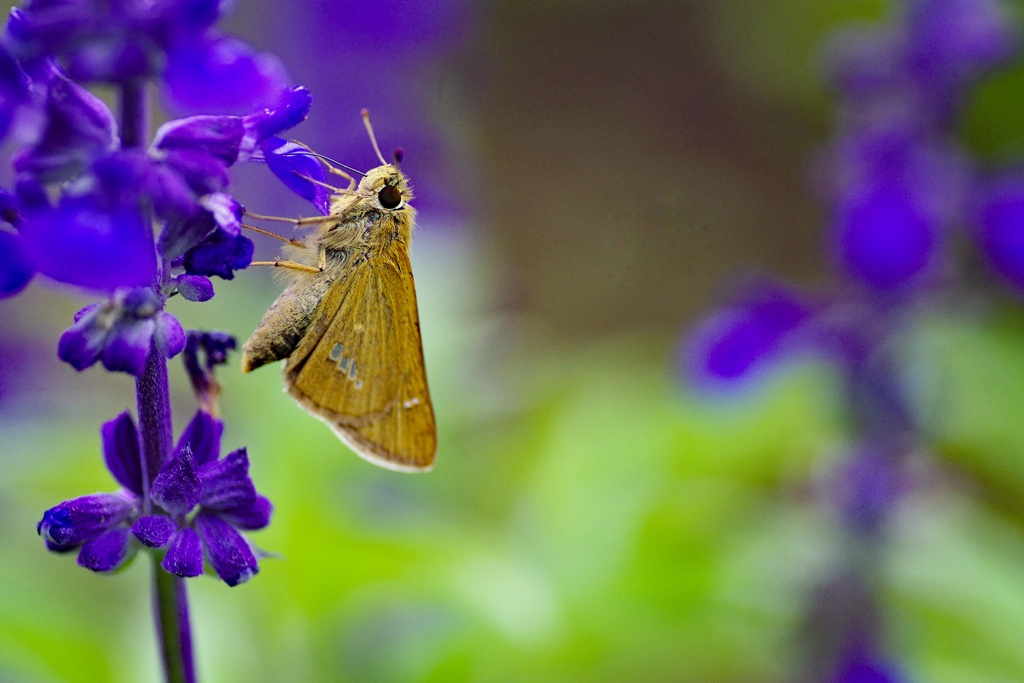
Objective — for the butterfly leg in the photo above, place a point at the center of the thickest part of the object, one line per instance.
(302, 267)
(298, 222)
(294, 243)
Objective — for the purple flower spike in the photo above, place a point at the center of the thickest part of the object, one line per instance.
(82, 519)
(223, 75)
(16, 267)
(121, 452)
(294, 166)
(185, 554)
(249, 517)
(732, 345)
(177, 487)
(229, 553)
(106, 552)
(226, 482)
(154, 531)
(202, 437)
(885, 240)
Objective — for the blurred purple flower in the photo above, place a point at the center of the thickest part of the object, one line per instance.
(742, 340)
(864, 668)
(999, 225)
(131, 40)
(884, 240)
(202, 500)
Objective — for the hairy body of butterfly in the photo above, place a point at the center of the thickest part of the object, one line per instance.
(348, 325)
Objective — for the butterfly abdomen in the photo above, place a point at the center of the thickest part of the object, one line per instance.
(284, 325)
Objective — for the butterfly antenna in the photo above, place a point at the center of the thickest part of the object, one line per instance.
(327, 159)
(399, 154)
(369, 129)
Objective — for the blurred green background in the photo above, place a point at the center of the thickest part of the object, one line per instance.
(614, 164)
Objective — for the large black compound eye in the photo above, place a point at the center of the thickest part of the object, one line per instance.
(389, 197)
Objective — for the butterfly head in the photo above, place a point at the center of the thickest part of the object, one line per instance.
(386, 187)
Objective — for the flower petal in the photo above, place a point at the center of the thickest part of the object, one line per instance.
(170, 338)
(202, 437)
(177, 487)
(216, 136)
(220, 254)
(226, 212)
(106, 552)
(80, 127)
(121, 452)
(249, 517)
(128, 345)
(204, 172)
(229, 553)
(16, 267)
(81, 519)
(226, 482)
(294, 166)
(184, 554)
(81, 344)
(181, 233)
(291, 109)
(883, 239)
(194, 287)
(82, 243)
(154, 531)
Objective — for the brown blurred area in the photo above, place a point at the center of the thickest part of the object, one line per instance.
(628, 171)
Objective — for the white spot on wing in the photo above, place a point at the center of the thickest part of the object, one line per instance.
(336, 352)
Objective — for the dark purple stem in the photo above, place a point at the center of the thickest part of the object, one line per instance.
(153, 401)
(170, 606)
(152, 393)
(134, 116)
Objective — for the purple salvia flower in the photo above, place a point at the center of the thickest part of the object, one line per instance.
(202, 500)
(121, 332)
(743, 340)
(897, 187)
